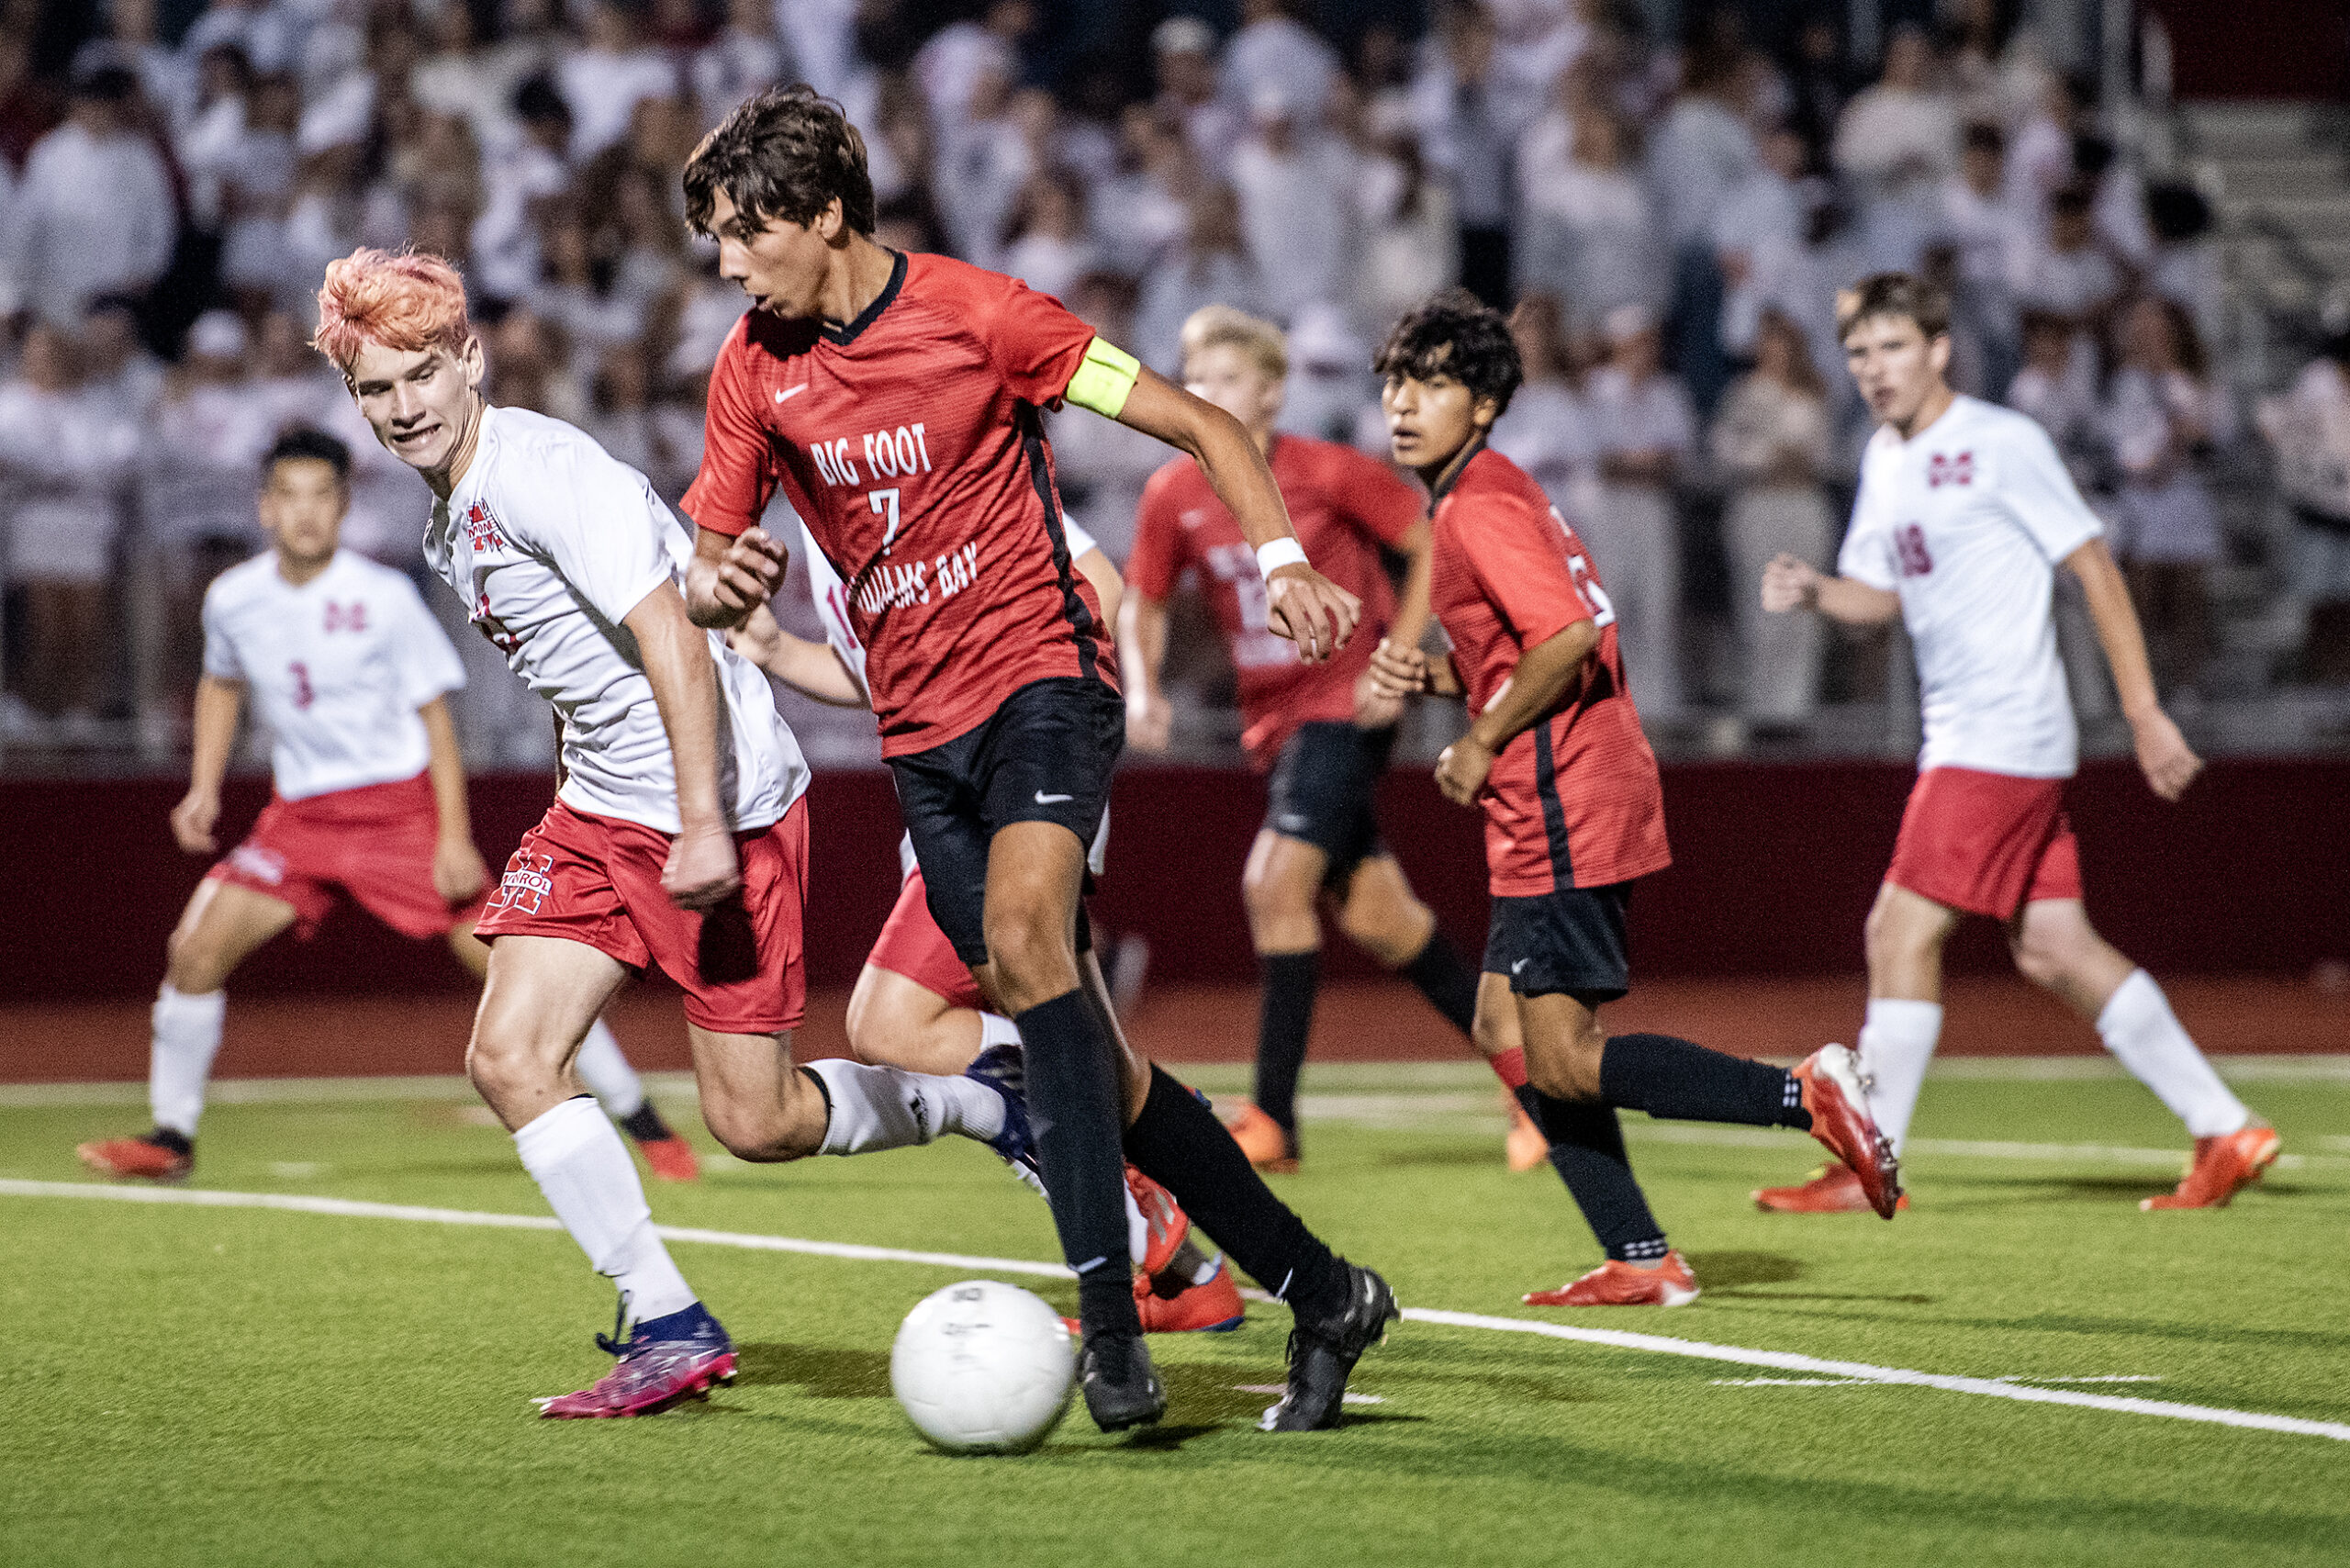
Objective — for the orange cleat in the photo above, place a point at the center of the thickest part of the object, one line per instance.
(1164, 1225)
(1261, 1139)
(137, 1157)
(1618, 1283)
(1528, 1147)
(2222, 1167)
(1831, 1190)
(672, 1159)
(1214, 1307)
(1835, 1095)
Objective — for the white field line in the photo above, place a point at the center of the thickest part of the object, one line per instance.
(1654, 1344)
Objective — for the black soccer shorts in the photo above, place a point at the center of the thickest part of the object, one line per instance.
(1321, 792)
(1567, 940)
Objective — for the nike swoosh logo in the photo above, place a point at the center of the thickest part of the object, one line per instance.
(1518, 966)
(788, 393)
(1044, 800)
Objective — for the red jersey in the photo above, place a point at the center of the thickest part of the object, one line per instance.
(1344, 506)
(1573, 801)
(911, 444)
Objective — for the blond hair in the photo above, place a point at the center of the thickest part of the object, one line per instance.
(1221, 326)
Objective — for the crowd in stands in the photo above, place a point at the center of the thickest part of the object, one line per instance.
(1667, 214)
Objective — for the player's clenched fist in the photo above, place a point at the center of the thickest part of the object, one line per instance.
(457, 870)
(1310, 610)
(702, 870)
(1398, 672)
(727, 583)
(192, 822)
(1789, 583)
(2169, 764)
(1463, 768)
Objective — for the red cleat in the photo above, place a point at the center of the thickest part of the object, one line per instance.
(2222, 1167)
(1836, 1098)
(1164, 1225)
(672, 1159)
(137, 1157)
(1261, 1139)
(1618, 1283)
(653, 1374)
(1528, 1147)
(1214, 1307)
(1831, 1190)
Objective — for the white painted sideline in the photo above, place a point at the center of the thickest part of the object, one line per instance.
(1653, 1344)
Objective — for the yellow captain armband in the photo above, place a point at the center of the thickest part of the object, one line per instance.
(1104, 379)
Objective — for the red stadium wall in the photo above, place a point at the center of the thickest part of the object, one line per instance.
(2258, 48)
(1774, 867)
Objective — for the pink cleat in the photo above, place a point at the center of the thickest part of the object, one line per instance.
(664, 1363)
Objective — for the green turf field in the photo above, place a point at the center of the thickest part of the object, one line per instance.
(239, 1385)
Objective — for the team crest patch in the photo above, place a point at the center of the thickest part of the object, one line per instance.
(529, 879)
(1943, 469)
(482, 530)
(260, 865)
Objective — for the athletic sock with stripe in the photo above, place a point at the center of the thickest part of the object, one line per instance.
(1682, 1081)
(1587, 1151)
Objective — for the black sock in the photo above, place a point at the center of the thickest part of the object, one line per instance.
(172, 1138)
(645, 1125)
(1178, 1143)
(1285, 1019)
(1073, 1106)
(1587, 1151)
(1449, 985)
(1685, 1081)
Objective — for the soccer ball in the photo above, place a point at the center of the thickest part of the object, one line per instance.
(983, 1368)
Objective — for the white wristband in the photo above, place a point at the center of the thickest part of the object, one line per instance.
(1275, 554)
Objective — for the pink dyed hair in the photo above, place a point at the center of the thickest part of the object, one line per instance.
(405, 301)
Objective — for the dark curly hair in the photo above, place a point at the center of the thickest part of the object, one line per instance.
(1457, 335)
(785, 153)
(302, 442)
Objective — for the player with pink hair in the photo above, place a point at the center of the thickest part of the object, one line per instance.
(679, 835)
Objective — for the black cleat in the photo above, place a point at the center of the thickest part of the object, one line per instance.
(1320, 1355)
(1121, 1391)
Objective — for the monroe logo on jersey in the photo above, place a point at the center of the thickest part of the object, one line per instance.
(482, 530)
(529, 879)
(1942, 470)
(346, 616)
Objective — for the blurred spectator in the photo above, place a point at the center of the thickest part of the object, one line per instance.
(2309, 427)
(2186, 261)
(1329, 387)
(95, 213)
(1979, 219)
(1100, 463)
(461, 77)
(1045, 243)
(1467, 127)
(62, 460)
(747, 54)
(1411, 245)
(1275, 56)
(256, 193)
(1702, 151)
(1295, 183)
(609, 76)
(1184, 50)
(1590, 233)
(960, 56)
(1211, 267)
(1900, 135)
(116, 370)
(660, 440)
(1800, 281)
(529, 370)
(1818, 85)
(1767, 208)
(1771, 443)
(1645, 429)
(2057, 387)
(535, 169)
(1548, 428)
(2162, 414)
(2069, 273)
(575, 293)
(1139, 211)
(263, 33)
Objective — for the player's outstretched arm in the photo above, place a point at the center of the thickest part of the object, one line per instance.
(457, 870)
(217, 703)
(1545, 673)
(731, 575)
(1303, 606)
(1142, 654)
(812, 669)
(702, 869)
(1791, 583)
(2164, 756)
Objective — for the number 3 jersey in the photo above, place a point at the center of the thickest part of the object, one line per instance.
(337, 667)
(1967, 522)
(551, 542)
(1575, 800)
(912, 444)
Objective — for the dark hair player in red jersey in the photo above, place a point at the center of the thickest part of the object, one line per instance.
(1574, 814)
(898, 401)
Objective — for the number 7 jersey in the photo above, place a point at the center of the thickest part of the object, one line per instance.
(910, 442)
(1575, 800)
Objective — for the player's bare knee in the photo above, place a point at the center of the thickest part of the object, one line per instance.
(1572, 1074)
(1392, 930)
(1031, 954)
(195, 963)
(1277, 888)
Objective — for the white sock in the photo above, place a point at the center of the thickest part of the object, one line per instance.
(577, 1159)
(995, 1029)
(1137, 1230)
(179, 1062)
(2138, 1026)
(607, 1073)
(1896, 1042)
(886, 1107)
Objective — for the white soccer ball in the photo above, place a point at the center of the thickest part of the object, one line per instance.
(983, 1367)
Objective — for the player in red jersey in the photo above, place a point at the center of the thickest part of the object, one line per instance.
(350, 674)
(897, 401)
(1321, 731)
(1573, 816)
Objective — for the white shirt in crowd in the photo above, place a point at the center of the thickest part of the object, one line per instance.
(1654, 415)
(92, 216)
(63, 458)
(202, 455)
(337, 668)
(1548, 432)
(551, 544)
(1898, 135)
(1297, 217)
(603, 88)
(1966, 521)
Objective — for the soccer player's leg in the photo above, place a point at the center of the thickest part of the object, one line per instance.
(1280, 886)
(225, 922)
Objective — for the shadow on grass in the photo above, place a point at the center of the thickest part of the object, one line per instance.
(1453, 1155)
(1723, 1274)
(823, 1372)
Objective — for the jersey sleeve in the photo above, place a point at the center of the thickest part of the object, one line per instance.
(738, 477)
(1376, 498)
(429, 664)
(1080, 540)
(1865, 555)
(1514, 554)
(1155, 562)
(2040, 493)
(1036, 343)
(220, 660)
(602, 526)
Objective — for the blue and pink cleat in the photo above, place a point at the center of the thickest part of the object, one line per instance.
(663, 1364)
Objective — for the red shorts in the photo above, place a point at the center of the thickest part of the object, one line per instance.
(911, 945)
(1986, 843)
(597, 880)
(375, 843)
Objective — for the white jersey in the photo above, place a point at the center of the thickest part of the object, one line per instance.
(1967, 520)
(551, 544)
(337, 667)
